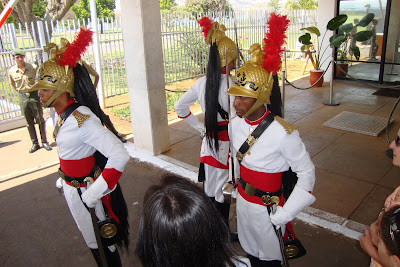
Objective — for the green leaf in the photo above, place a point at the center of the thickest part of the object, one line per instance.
(313, 30)
(335, 23)
(347, 28)
(303, 48)
(342, 55)
(336, 40)
(363, 36)
(305, 39)
(366, 20)
(356, 52)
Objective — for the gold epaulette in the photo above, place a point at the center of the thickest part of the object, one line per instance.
(80, 118)
(289, 128)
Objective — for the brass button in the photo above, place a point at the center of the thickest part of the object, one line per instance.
(275, 200)
(75, 184)
(108, 230)
(266, 200)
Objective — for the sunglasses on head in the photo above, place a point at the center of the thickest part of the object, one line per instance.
(397, 141)
(395, 226)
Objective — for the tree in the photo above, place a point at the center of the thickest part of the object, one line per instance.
(204, 6)
(104, 9)
(274, 5)
(301, 4)
(167, 4)
(28, 11)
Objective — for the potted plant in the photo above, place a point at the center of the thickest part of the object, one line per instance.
(339, 40)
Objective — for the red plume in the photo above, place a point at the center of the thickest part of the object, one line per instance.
(206, 24)
(75, 49)
(274, 39)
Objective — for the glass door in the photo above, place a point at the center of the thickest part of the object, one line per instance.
(369, 66)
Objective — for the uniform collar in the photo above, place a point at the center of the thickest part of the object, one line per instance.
(256, 122)
(71, 100)
(27, 67)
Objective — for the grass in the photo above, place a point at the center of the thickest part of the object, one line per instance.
(123, 113)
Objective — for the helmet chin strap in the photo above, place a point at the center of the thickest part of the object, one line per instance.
(56, 94)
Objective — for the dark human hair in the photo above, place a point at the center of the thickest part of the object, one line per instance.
(276, 98)
(181, 227)
(392, 246)
(211, 97)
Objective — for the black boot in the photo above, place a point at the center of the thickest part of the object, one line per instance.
(113, 258)
(96, 256)
(42, 128)
(223, 209)
(256, 262)
(33, 136)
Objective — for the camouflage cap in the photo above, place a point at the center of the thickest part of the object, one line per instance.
(18, 51)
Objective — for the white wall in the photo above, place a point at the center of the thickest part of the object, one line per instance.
(326, 11)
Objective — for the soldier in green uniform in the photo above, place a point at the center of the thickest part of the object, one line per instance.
(22, 77)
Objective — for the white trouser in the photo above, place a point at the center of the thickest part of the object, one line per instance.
(257, 235)
(82, 216)
(215, 180)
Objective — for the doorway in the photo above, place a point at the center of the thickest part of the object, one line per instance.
(379, 60)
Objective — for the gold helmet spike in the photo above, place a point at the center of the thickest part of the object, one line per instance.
(252, 80)
(53, 76)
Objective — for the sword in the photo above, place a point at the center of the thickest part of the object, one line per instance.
(271, 202)
(89, 180)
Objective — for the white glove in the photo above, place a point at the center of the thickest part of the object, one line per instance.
(298, 200)
(95, 192)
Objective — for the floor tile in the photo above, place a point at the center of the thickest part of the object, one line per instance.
(369, 210)
(352, 161)
(339, 194)
(392, 178)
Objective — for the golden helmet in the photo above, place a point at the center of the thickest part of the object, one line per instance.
(252, 80)
(224, 44)
(52, 76)
(215, 33)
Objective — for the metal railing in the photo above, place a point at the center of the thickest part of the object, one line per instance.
(185, 53)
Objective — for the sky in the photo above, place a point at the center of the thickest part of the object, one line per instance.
(234, 2)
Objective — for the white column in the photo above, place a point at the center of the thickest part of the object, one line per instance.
(96, 49)
(140, 20)
(326, 11)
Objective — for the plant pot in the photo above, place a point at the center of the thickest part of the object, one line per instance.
(340, 67)
(314, 76)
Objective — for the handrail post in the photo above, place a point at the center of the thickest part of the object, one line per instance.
(331, 101)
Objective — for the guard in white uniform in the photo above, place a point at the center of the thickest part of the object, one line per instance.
(210, 90)
(277, 148)
(85, 148)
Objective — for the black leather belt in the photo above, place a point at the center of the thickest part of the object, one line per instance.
(253, 191)
(77, 181)
(222, 127)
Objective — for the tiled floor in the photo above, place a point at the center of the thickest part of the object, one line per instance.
(354, 175)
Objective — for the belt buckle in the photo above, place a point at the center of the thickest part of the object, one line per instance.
(75, 183)
(268, 200)
(250, 190)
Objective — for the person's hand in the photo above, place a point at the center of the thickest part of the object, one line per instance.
(368, 246)
(89, 199)
(393, 199)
